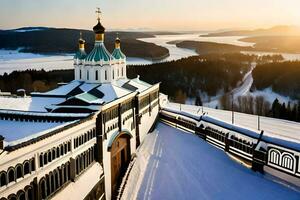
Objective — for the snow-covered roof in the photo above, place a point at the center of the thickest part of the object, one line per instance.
(62, 90)
(135, 85)
(27, 103)
(171, 164)
(16, 132)
(112, 92)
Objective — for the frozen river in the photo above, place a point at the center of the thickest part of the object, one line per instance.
(13, 60)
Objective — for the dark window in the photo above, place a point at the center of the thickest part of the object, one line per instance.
(26, 168)
(96, 75)
(11, 175)
(3, 179)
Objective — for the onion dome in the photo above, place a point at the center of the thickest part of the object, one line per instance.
(80, 54)
(117, 53)
(98, 54)
(99, 29)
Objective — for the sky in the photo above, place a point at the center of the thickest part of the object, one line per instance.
(173, 15)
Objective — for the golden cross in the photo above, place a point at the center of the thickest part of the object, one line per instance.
(98, 12)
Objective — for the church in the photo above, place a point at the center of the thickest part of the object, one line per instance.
(76, 141)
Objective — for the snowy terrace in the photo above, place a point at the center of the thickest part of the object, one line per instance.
(172, 164)
(282, 129)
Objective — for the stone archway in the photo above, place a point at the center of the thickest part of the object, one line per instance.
(120, 158)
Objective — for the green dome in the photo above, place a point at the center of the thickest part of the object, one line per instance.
(99, 53)
(117, 54)
(80, 54)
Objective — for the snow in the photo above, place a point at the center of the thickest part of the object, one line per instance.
(112, 92)
(13, 131)
(28, 103)
(273, 128)
(82, 186)
(172, 164)
(88, 86)
(43, 114)
(28, 30)
(64, 89)
(25, 61)
(270, 95)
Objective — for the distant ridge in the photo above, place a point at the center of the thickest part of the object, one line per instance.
(274, 31)
(47, 40)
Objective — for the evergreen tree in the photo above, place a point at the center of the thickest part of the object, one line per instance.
(276, 109)
(283, 112)
(198, 101)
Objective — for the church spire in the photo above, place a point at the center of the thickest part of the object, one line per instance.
(99, 29)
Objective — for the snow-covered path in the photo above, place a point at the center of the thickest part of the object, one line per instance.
(182, 166)
(241, 90)
(244, 88)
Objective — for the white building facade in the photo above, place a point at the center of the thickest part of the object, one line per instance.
(78, 146)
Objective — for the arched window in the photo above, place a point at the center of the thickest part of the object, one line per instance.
(41, 160)
(3, 181)
(56, 176)
(77, 166)
(53, 154)
(45, 159)
(118, 72)
(48, 184)
(52, 183)
(87, 75)
(105, 74)
(21, 195)
(113, 74)
(122, 72)
(32, 161)
(19, 170)
(69, 146)
(11, 175)
(29, 192)
(26, 168)
(80, 74)
(66, 174)
(57, 152)
(66, 147)
(49, 156)
(43, 188)
(12, 197)
(96, 75)
(61, 150)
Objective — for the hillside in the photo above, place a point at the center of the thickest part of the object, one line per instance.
(277, 30)
(211, 47)
(289, 44)
(282, 77)
(56, 41)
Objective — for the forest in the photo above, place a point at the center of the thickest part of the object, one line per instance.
(282, 77)
(210, 74)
